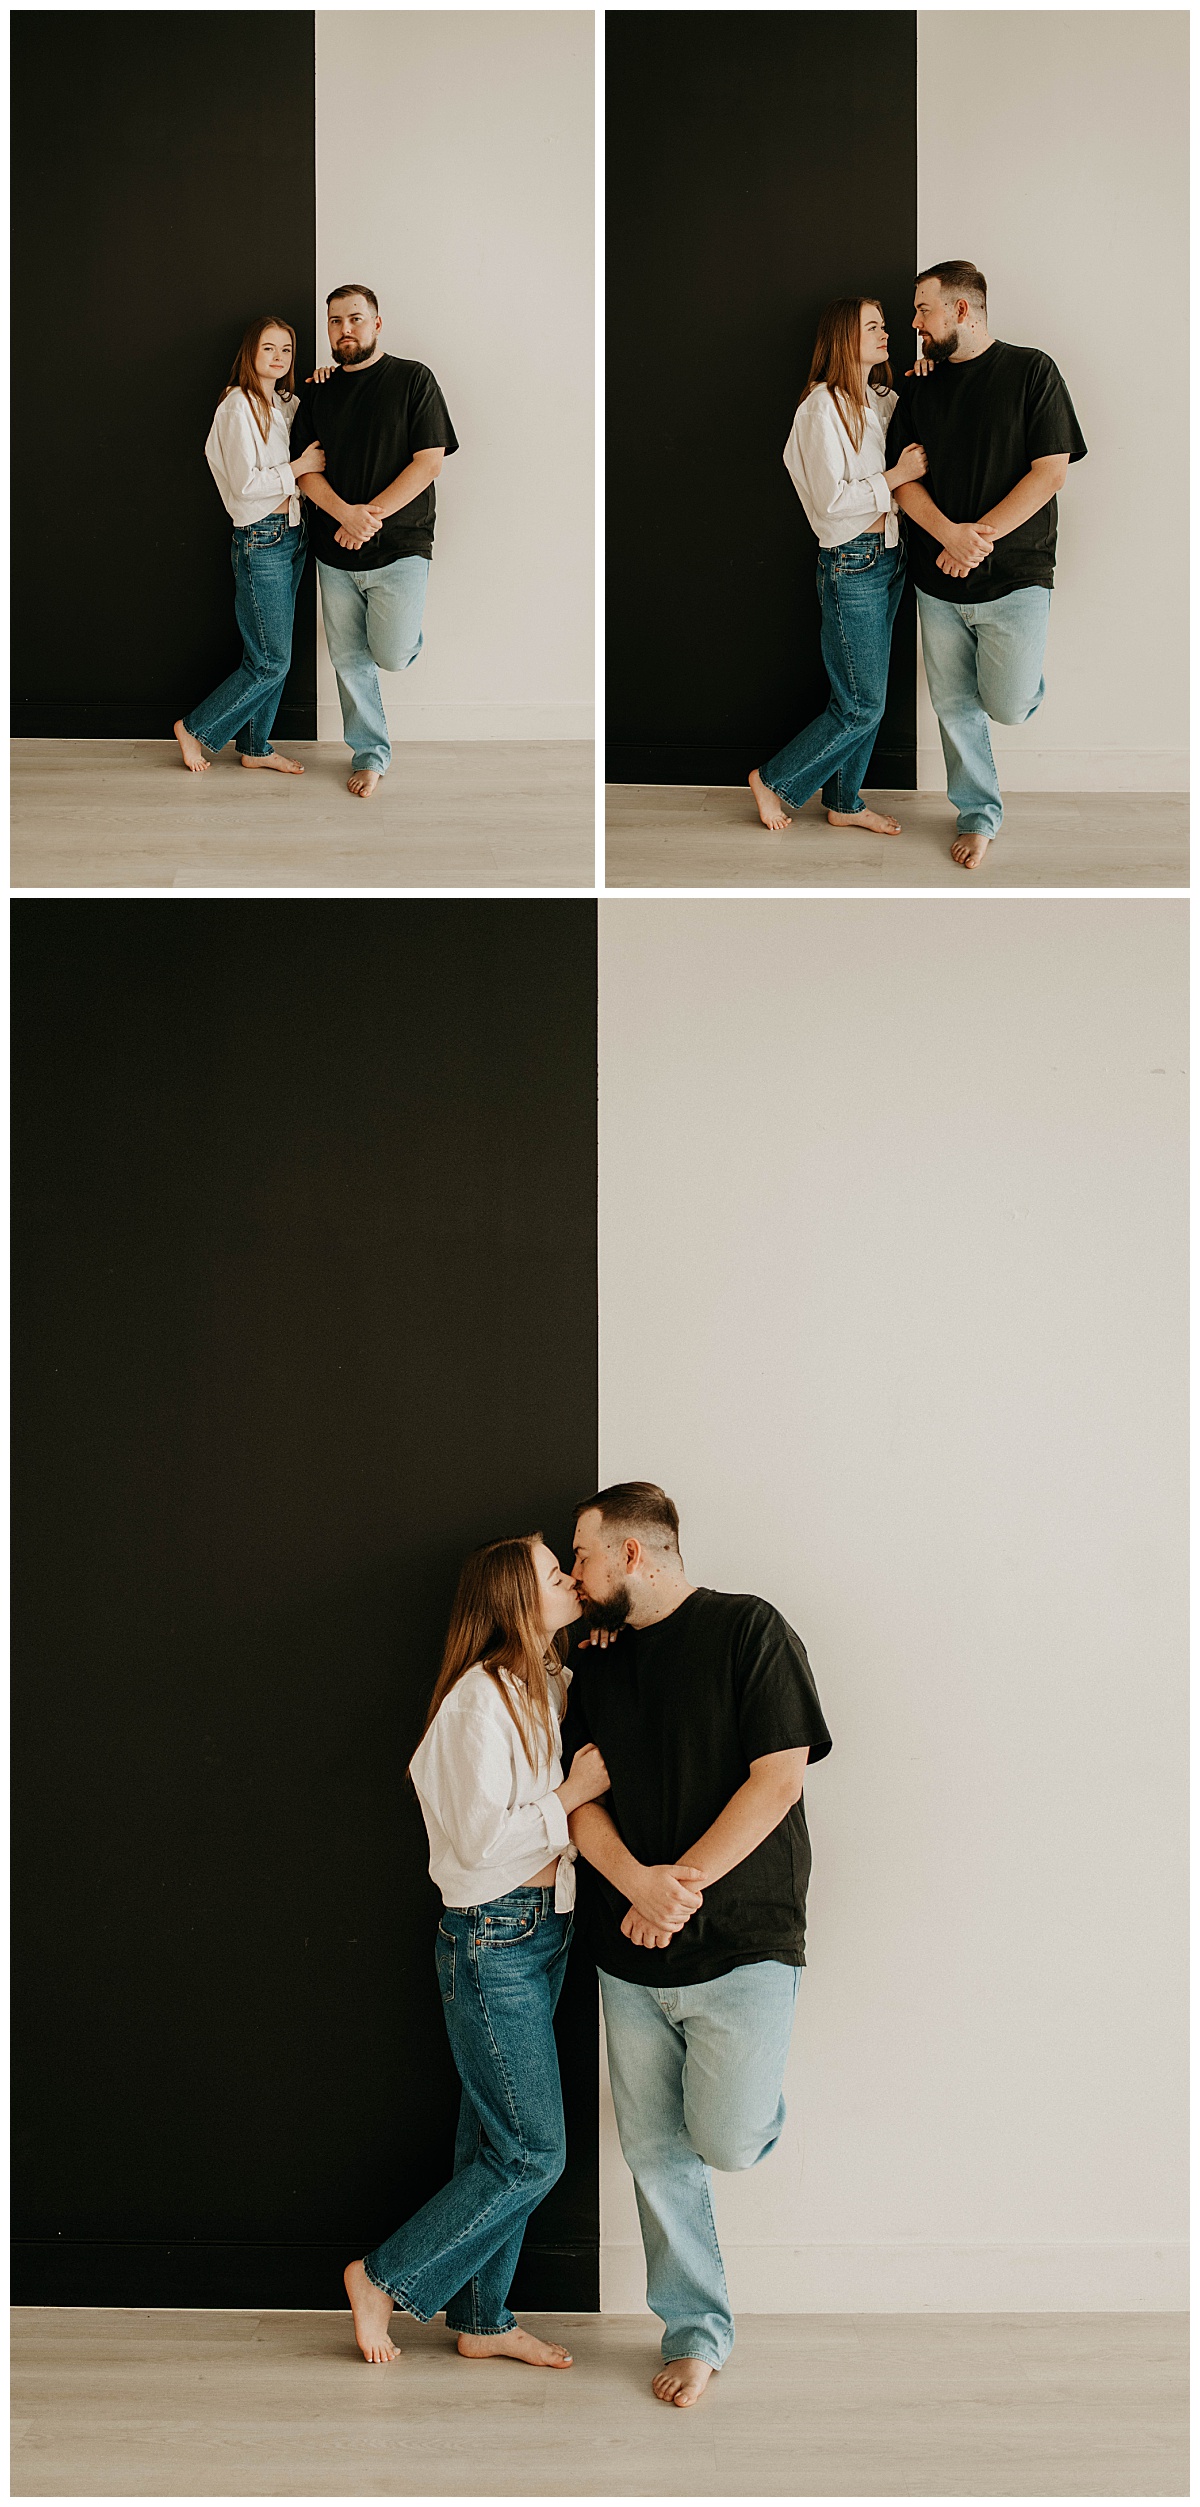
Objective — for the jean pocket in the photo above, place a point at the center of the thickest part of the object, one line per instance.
(501, 1931)
(444, 1952)
(853, 559)
(267, 534)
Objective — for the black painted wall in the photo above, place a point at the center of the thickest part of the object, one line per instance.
(758, 164)
(305, 1296)
(164, 194)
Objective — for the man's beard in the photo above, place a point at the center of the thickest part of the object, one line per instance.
(611, 1614)
(353, 356)
(937, 350)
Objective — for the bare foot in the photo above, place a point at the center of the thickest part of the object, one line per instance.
(193, 755)
(683, 2381)
(362, 782)
(372, 2310)
(770, 807)
(969, 851)
(515, 2344)
(282, 765)
(870, 819)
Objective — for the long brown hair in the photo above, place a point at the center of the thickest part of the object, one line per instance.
(497, 1621)
(836, 361)
(244, 378)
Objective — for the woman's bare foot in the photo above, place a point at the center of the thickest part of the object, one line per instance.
(515, 2344)
(282, 765)
(362, 782)
(968, 851)
(768, 804)
(870, 819)
(372, 2310)
(193, 755)
(682, 2381)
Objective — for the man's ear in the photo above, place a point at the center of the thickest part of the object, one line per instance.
(633, 1557)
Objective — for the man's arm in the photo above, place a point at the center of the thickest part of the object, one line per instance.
(773, 1786)
(965, 543)
(1042, 480)
(664, 1894)
(363, 521)
(412, 482)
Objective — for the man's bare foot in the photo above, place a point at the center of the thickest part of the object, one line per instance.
(870, 819)
(770, 807)
(362, 782)
(683, 2381)
(193, 755)
(515, 2344)
(969, 851)
(372, 2310)
(282, 765)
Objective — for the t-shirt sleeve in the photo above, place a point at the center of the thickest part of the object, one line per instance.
(901, 430)
(303, 428)
(576, 1730)
(1051, 425)
(428, 417)
(778, 1706)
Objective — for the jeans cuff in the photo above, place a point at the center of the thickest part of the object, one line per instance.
(484, 2332)
(704, 2356)
(398, 2296)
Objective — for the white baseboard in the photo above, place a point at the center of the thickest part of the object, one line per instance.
(1024, 769)
(905, 2277)
(472, 722)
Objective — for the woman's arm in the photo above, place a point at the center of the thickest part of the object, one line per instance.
(234, 450)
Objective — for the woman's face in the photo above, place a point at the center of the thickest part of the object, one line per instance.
(560, 1602)
(272, 357)
(873, 338)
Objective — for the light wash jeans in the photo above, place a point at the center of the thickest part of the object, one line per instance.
(982, 658)
(859, 587)
(372, 623)
(268, 561)
(500, 1968)
(697, 2074)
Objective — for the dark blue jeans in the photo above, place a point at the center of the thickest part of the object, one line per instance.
(500, 1968)
(268, 561)
(859, 587)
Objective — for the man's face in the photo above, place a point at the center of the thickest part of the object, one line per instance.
(934, 323)
(605, 1599)
(354, 327)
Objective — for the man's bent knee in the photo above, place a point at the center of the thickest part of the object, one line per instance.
(731, 2152)
(392, 656)
(1012, 713)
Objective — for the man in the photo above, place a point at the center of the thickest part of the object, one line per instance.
(704, 1710)
(999, 434)
(385, 431)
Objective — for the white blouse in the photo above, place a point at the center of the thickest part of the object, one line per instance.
(253, 476)
(842, 489)
(493, 1818)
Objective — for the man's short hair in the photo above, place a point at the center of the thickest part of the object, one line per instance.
(637, 1507)
(353, 290)
(958, 278)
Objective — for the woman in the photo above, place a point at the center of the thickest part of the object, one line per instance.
(837, 459)
(247, 453)
(488, 1776)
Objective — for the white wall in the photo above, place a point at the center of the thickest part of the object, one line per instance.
(892, 1279)
(1053, 151)
(455, 177)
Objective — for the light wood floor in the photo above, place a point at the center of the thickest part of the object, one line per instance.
(477, 814)
(670, 836)
(223, 2403)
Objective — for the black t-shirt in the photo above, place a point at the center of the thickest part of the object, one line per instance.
(678, 1710)
(982, 423)
(370, 421)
